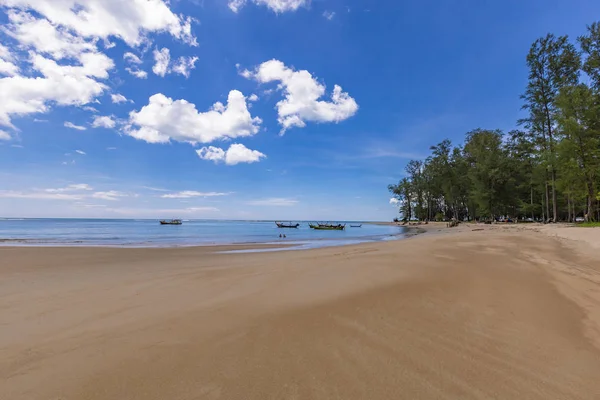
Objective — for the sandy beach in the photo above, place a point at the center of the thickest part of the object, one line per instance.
(474, 312)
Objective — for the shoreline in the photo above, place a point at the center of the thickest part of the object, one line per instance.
(299, 244)
(442, 313)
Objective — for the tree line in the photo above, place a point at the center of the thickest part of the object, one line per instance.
(548, 170)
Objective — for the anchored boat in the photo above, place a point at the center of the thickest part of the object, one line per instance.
(328, 227)
(288, 225)
(171, 222)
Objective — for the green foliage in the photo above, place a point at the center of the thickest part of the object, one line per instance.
(590, 45)
(490, 170)
(550, 170)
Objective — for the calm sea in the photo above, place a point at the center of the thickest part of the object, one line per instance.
(149, 233)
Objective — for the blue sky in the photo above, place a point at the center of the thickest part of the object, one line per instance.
(411, 74)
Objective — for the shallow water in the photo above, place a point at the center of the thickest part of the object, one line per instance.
(149, 233)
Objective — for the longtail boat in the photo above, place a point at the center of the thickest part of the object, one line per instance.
(328, 227)
(289, 225)
(356, 226)
(171, 222)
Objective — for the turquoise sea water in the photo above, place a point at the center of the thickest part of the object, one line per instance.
(149, 233)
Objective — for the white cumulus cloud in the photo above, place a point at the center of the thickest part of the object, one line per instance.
(163, 65)
(211, 153)
(138, 73)
(301, 96)
(134, 61)
(64, 65)
(394, 201)
(128, 20)
(236, 154)
(164, 119)
(5, 53)
(60, 84)
(45, 37)
(73, 126)
(131, 58)
(245, 73)
(103, 122)
(278, 6)
(184, 66)
(162, 58)
(235, 5)
(7, 67)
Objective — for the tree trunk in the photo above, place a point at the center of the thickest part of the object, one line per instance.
(531, 199)
(590, 202)
(554, 202)
(543, 208)
(553, 170)
(589, 208)
(547, 203)
(568, 207)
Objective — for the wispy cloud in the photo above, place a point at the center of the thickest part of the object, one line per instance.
(12, 194)
(71, 125)
(390, 153)
(274, 201)
(329, 15)
(77, 192)
(153, 212)
(84, 205)
(70, 188)
(155, 189)
(186, 194)
(111, 195)
(4, 135)
(118, 98)
(83, 153)
(200, 209)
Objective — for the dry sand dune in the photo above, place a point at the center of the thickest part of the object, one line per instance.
(493, 314)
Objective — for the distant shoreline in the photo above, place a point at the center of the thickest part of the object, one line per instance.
(122, 233)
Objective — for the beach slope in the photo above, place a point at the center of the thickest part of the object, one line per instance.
(503, 314)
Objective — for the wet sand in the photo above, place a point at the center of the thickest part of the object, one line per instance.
(498, 313)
